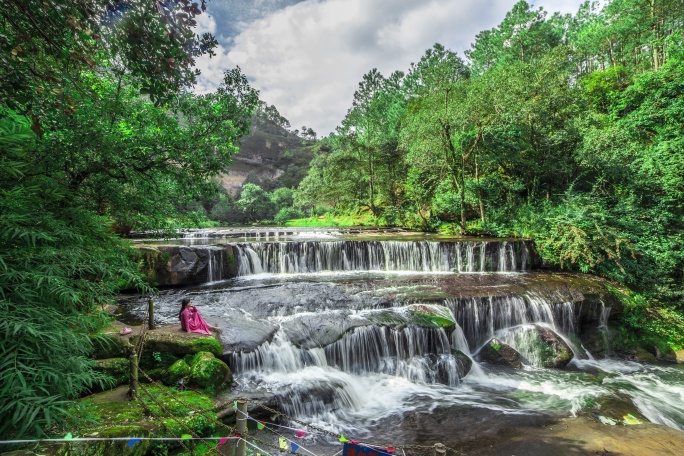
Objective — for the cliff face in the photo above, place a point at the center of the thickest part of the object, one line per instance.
(270, 156)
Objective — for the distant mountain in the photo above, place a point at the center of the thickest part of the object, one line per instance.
(272, 155)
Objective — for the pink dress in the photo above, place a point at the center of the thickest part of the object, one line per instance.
(192, 321)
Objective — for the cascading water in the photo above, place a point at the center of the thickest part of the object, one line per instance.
(301, 324)
(482, 318)
(416, 256)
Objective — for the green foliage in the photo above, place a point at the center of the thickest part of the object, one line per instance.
(84, 156)
(58, 263)
(648, 325)
(565, 129)
(287, 213)
(255, 202)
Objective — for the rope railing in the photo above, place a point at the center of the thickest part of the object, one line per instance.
(241, 436)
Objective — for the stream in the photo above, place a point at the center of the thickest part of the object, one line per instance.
(316, 321)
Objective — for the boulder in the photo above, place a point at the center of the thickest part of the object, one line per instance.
(175, 372)
(176, 342)
(672, 356)
(309, 330)
(497, 352)
(464, 362)
(119, 369)
(640, 355)
(110, 344)
(430, 315)
(542, 347)
(208, 372)
(177, 265)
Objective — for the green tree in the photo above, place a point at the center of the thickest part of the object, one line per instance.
(255, 202)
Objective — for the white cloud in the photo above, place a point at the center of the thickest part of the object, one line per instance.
(308, 58)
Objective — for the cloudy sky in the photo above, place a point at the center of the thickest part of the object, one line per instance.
(307, 56)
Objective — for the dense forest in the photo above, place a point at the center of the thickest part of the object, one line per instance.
(566, 129)
(99, 134)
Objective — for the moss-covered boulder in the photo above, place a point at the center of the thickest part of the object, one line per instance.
(110, 344)
(179, 343)
(542, 347)
(431, 315)
(497, 352)
(175, 372)
(119, 369)
(208, 372)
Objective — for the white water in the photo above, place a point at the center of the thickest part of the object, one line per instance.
(414, 256)
(376, 372)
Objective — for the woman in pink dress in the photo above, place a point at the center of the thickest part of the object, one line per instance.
(192, 321)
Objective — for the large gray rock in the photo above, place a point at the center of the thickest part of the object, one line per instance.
(497, 352)
(309, 330)
(174, 265)
(542, 347)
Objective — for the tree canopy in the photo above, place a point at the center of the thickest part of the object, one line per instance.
(562, 128)
(98, 135)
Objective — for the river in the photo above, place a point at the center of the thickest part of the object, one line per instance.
(315, 321)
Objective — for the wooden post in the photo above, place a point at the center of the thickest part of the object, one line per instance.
(133, 389)
(242, 427)
(439, 450)
(150, 313)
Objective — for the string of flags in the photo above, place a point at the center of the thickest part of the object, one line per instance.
(130, 440)
(294, 447)
(285, 444)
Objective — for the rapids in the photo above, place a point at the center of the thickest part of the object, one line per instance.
(316, 321)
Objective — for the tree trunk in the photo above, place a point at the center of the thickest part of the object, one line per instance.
(479, 193)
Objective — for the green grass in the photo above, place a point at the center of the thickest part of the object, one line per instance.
(331, 221)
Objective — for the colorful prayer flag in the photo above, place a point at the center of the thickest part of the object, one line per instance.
(68, 436)
(261, 425)
(283, 443)
(343, 439)
(354, 442)
(300, 433)
(223, 440)
(132, 442)
(295, 447)
(390, 449)
(186, 436)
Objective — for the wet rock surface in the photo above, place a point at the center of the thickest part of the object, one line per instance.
(542, 347)
(177, 265)
(499, 353)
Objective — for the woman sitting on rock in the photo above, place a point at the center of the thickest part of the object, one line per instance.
(192, 321)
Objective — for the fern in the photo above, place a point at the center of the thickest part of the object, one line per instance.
(58, 264)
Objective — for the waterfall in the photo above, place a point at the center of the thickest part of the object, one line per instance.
(418, 256)
(420, 355)
(482, 317)
(215, 260)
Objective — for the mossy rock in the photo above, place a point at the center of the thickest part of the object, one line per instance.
(497, 352)
(151, 360)
(117, 368)
(541, 347)
(670, 356)
(208, 372)
(180, 343)
(640, 355)
(111, 345)
(152, 262)
(432, 316)
(175, 372)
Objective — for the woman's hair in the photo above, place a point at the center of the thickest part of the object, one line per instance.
(184, 303)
